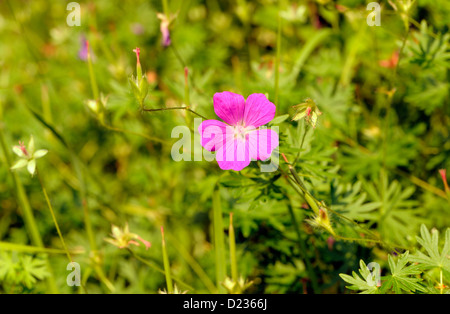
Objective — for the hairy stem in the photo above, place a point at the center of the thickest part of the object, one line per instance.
(303, 251)
(50, 207)
(166, 264)
(219, 240)
(176, 108)
(277, 57)
(232, 241)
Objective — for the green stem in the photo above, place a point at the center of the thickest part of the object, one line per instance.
(54, 217)
(312, 202)
(306, 129)
(150, 138)
(26, 211)
(303, 251)
(159, 269)
(94, 86)
(101, 275)
(233, 260)
(77, 162)
(176, 108)
(32, 249)
(187, 101)
(166, 8)
(166, 264)
(184, 65)
(193, 264)
(219, 240)
(278, 55)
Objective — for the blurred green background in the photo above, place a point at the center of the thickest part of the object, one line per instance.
(374, 155)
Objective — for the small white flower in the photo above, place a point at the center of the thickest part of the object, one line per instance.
(27, 156)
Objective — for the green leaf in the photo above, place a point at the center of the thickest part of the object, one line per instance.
(40, 153)
(430, 242)
(403, 278)
(32, 269)
(365, 283)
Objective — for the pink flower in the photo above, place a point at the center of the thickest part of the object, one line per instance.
(83, 52)
(240, 139)
(164, 28)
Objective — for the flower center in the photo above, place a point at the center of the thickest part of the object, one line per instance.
(23, 149)
(239, 132)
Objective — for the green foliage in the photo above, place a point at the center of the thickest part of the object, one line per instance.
(407, 272)
(434, 258)
(363, 115)
(21, 272)
(402, 278)
(366, 282)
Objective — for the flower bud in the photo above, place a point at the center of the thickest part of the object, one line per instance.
(139, 84)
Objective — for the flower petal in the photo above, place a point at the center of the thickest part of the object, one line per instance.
(229, 107)
(234, 154)
(19, 164)
(262, 143)
(40, 153)
(31, 167)
(18, 151)
(258, 110)
(212, 133)
(31, 146)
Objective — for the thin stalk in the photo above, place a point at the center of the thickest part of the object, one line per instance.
(306, 195)
(303, 251)
(277, 57)
(166, 8)
(184, 65)
(101, 275)
(423, 184)
(175, 108)
(94, 86)
(400, 53)
(306, 129)
(77, 162)
(187, 101)
(386, 129)
(232, 241)
(33, 249)
(26, 211)
(150, 138)
(159, 269)
(193, 264)
(166, 264)
(50, 207)
(219, 240)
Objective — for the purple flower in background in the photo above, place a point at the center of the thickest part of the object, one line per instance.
(240, 139)
(164, 27)
(83, 52)
(137, 28)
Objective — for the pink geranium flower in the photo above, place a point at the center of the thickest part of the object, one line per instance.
(240, 139)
